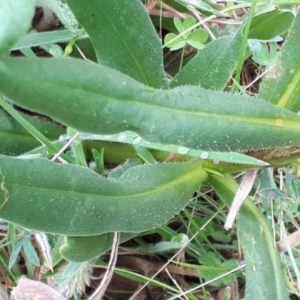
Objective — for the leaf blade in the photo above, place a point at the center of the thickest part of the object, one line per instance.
(282, 86)
(270, 24)
(264, 272)
(214, 122)
(80, 249)
(15, 140)
(55, 201)
(14, 25)
(115, 29)
(212, 67)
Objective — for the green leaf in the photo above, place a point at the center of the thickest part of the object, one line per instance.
(281, 87)
(178, 24)
(268, 55)
(105, 101)
(77, 149)
(197, 38)
(210, 259)
(44, 196)
(30, 252)
(213, 66)
(44, 38)
(80, 249)
(177, 44)
(98, 157)
(188, 23)
(264, 271)
(15, 19)
(15, 140)
(15, 253)
(142, 146)
(213, 267)
(122, 32)
(270, 24)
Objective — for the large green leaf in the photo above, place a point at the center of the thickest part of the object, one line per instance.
(80, 249)
(282, 87)
(124, 37)
(41, 195)
(101, 100)
(269, 24)
(15, 140)
(265, 277)
(15, 19)
(212, 67)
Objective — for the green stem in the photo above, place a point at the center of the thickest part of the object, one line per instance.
(77, 148)
(181, 59)
(69, 47)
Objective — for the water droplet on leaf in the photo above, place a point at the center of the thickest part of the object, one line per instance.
(204, 155)
(137, 140)
(183, 150)
(122, 136)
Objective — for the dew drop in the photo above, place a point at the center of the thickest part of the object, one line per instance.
(204, 155)
(216, 161)
(63, 137)
(137, 140)
(183, 150)
(122, 136)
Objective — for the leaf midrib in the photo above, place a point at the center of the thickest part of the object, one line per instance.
(125, 44)
(182, 179)
(254, 120)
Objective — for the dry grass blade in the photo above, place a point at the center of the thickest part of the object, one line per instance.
(292, 241)
(42, 241)
(240, 197)
(100, 291)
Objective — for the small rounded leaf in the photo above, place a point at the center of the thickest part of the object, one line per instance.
(176, 44)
